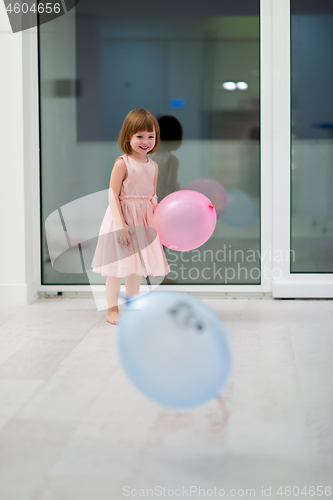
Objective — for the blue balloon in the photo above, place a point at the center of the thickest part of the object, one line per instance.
(241, 209)
(174, 349)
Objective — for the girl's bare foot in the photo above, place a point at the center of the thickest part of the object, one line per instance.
(113, 315)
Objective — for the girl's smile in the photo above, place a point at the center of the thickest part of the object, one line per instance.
(141, 143)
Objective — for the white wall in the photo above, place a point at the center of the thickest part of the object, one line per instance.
(18, 273)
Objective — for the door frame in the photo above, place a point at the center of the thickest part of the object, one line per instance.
(288, 285)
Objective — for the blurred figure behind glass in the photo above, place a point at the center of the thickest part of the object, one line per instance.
(171, 139)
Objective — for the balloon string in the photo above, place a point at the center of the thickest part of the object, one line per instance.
(221, 424)
(214, 204)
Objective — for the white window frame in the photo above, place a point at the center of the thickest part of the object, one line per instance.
(298, 285)
(275, 171)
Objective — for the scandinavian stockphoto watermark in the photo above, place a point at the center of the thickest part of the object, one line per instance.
(186, 491)
(75, 246)
(228, 264)
(198, 491)
(25, 14)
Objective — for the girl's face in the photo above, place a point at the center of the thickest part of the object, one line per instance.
(143, 142)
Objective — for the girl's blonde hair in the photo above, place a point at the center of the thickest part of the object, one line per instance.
(138, 120)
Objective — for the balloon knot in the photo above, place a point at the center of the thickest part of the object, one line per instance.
(214, 204)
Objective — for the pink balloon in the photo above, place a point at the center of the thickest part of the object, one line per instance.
(184, 220)
(209, 188)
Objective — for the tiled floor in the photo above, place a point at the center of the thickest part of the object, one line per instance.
(72, 427)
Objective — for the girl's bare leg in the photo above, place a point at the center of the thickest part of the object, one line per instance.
(132, 284)
(112, 290)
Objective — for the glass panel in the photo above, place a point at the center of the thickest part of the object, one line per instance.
(197, 62)
(312, 136)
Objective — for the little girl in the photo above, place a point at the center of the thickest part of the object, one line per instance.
(127, 244)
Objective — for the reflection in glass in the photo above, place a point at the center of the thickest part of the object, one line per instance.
(195, 66)
(312, 136)
(168, 164)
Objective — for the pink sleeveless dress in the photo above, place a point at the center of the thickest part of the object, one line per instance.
(145, 255)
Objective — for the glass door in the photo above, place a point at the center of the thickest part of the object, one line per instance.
(312, 137)
(196, 67)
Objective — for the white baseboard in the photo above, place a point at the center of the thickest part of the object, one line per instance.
(304, 290)
(15, 293)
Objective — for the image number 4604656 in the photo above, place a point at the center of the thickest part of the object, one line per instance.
(25, 14)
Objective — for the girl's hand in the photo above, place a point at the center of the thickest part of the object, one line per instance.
(123, 235)
(154, 201)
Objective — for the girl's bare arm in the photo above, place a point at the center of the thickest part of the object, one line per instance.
(117, 177)
(156, 174)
